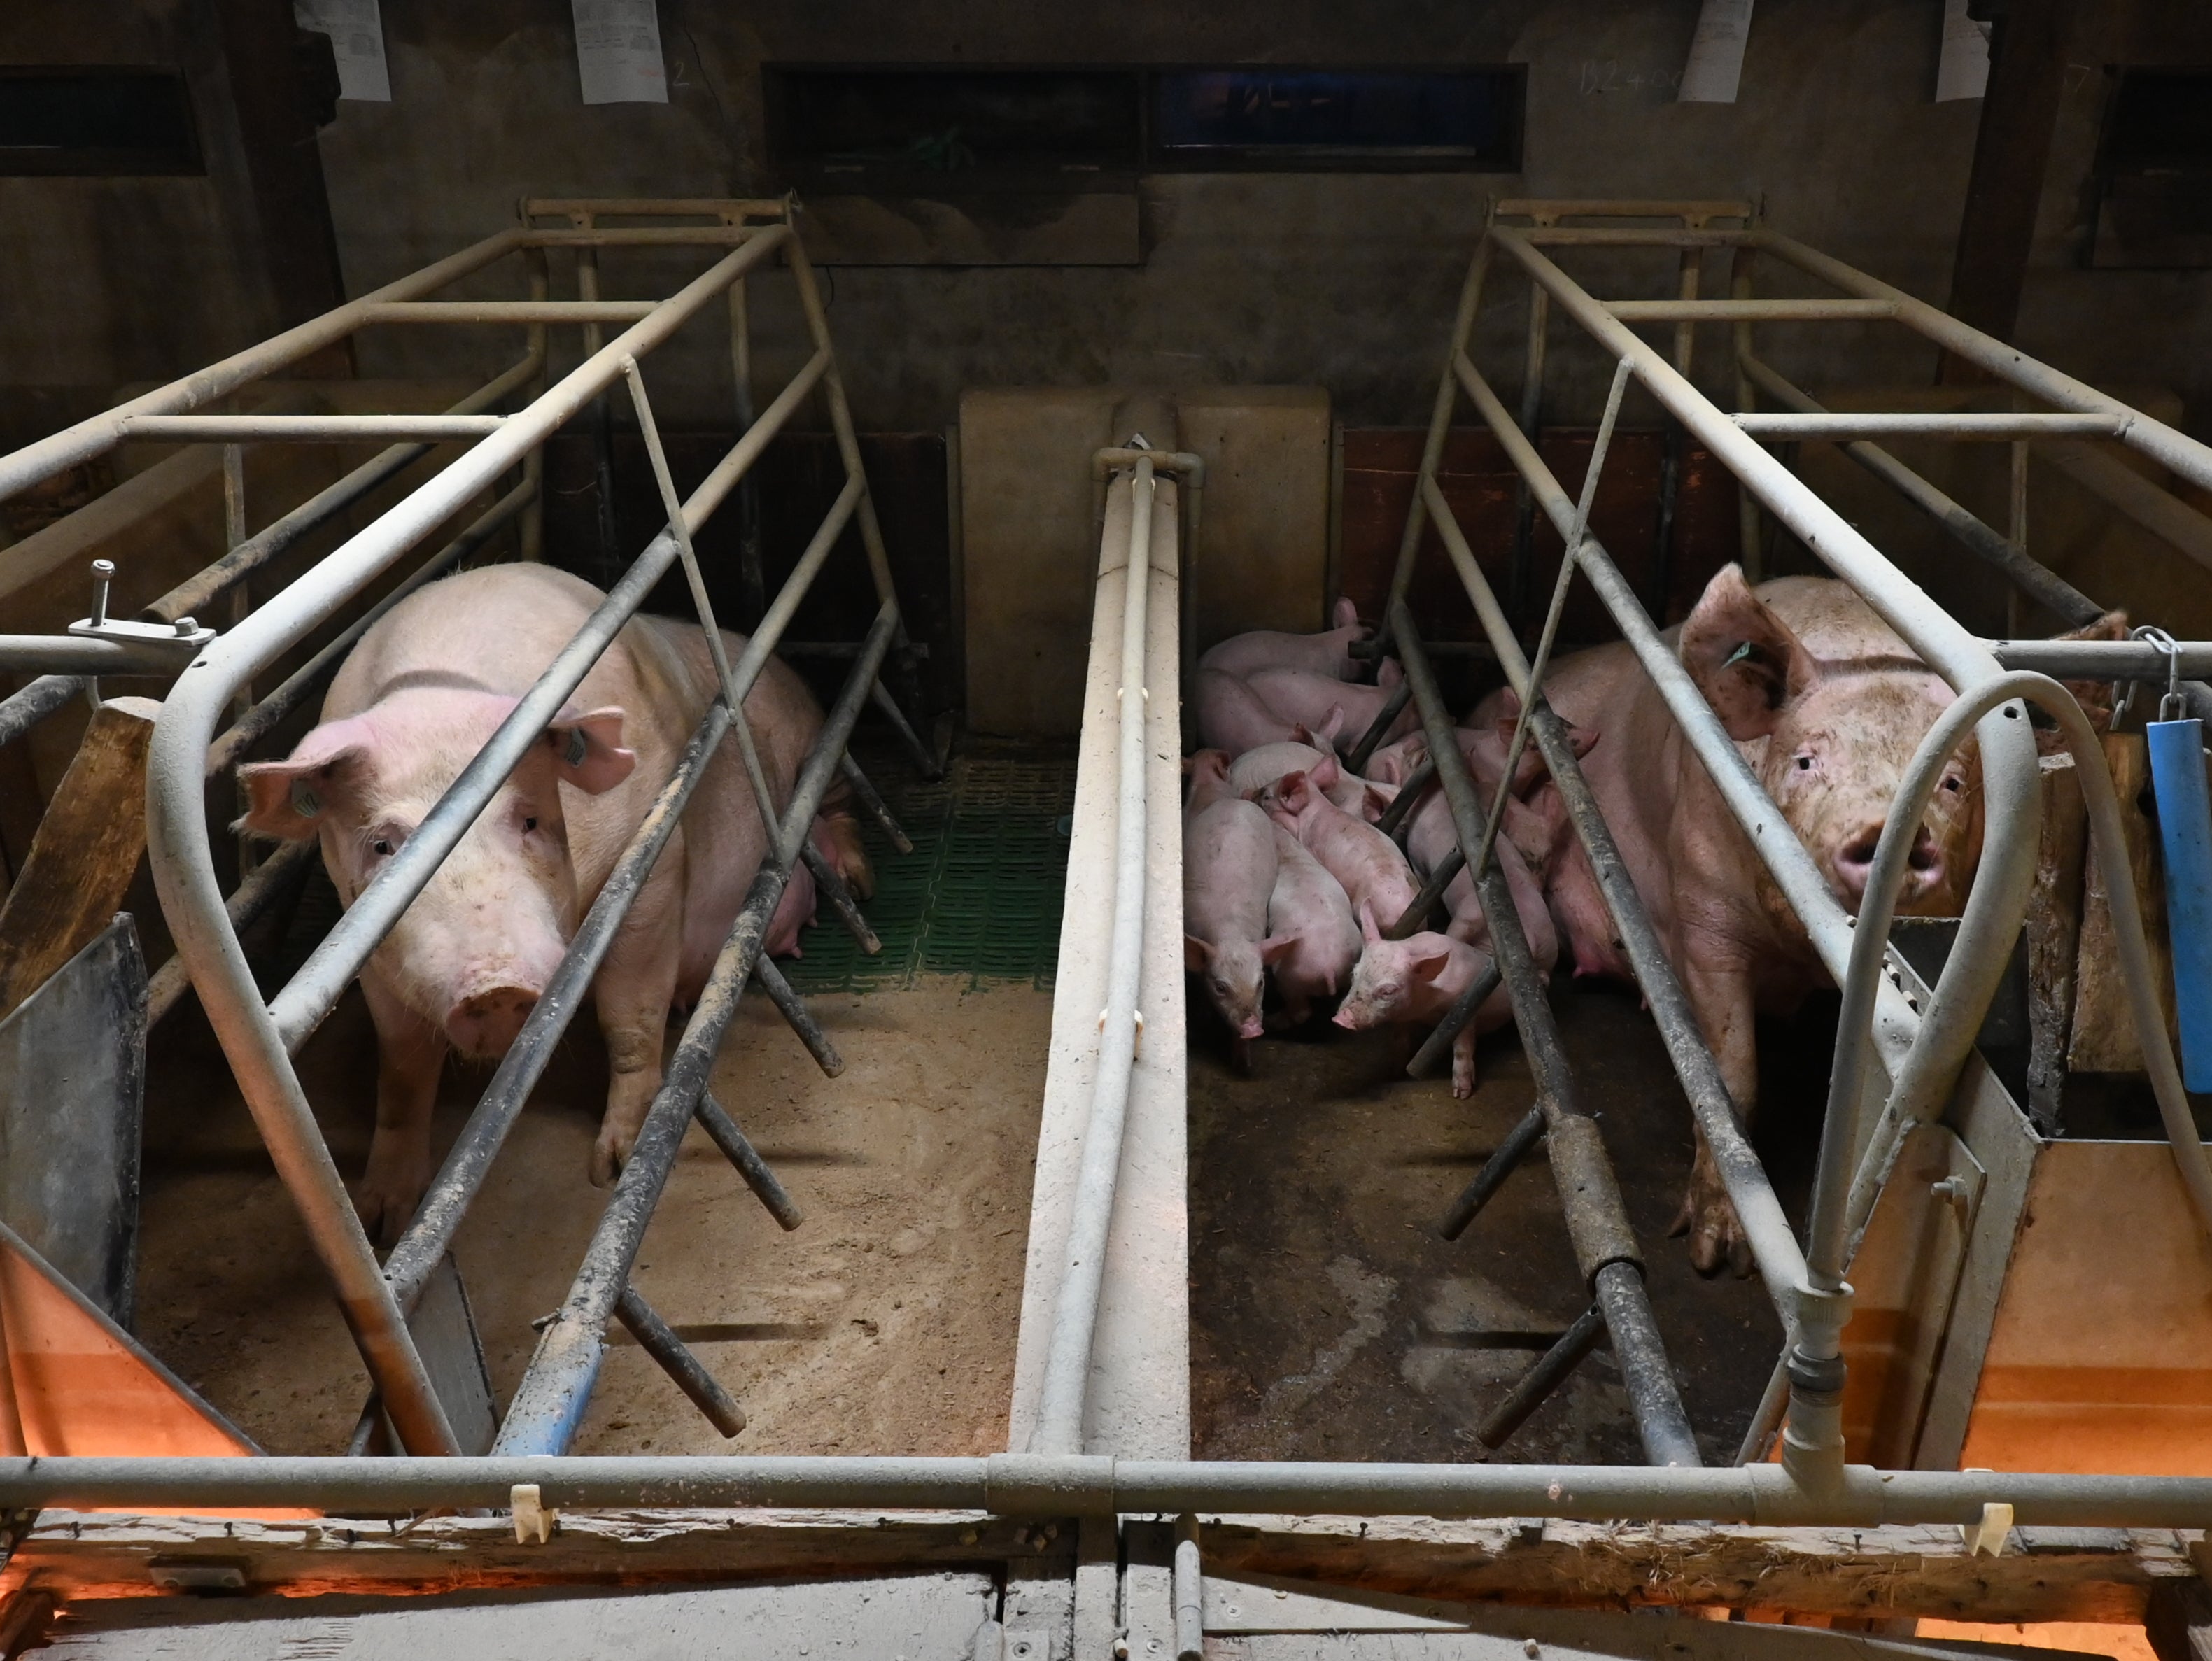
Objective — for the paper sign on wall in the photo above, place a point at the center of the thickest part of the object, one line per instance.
(356, 31)
(1715, 65)
(618, 51)
(1962, 70)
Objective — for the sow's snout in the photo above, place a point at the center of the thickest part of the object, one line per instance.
(483, 1025)
(1854, 864)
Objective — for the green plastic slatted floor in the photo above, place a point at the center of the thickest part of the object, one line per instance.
(980, 894)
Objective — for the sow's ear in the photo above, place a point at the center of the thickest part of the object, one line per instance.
(2095, 697)
(289, 799)
(1346, 614)
(587, 750)
(1744, 658)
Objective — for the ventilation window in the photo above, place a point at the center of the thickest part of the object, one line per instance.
(99, 120)
(1300, 119)
(890, 124)
(2155, 171)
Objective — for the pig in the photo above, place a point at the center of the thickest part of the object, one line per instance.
(1231, 716)
(1579, 913)
(1326, 653)
(1309, 908)
(1432, 835)
(1255, 769)
(1414, 982)
(1361, 797)
(412, 703)
(1228, 867)
(1209, 781)
(1362, 858)
(1298, 696)
(1827, 704)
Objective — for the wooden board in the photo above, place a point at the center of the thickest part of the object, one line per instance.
(2104, 1039)
(86, 849)
(2054, 938)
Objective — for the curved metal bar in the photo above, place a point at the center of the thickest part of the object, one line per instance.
(2012, 793)
(180, 849)
(1836, 1218)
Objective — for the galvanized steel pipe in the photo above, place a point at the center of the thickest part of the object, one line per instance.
(1030, 1485)
(2011, 781)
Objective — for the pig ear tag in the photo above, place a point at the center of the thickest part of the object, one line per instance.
(1743, 650)
(305, 802)
(576, 748)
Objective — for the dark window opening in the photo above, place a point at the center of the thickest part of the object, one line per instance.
(2154, 178)
(874, 122)
(95, 120)
(914, 127)
(1342, 118)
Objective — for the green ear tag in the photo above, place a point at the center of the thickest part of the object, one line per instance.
(305, 802)
(579, 748)
(1745, 650)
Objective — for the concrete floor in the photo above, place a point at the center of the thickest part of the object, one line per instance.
(1330, 1319)
(884, 1324)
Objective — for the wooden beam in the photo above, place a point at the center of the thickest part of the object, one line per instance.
(2027, 74)
(107, 1555)
(264, 58)
(2043, 1574)
(86, 849)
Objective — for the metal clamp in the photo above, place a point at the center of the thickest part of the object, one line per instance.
(2171, 706)
(185, 637)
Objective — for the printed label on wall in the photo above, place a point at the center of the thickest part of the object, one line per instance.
(618, 51)
(356, 31)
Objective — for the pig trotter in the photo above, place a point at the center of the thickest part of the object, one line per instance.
(410, 1053)
(1708, 1217)
(1463, 1063)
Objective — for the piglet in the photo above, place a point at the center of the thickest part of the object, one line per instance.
(1364, 861)
(1209, 781)
(1255, 769)
(1361, 797)
(1432, 835)
(1309, 908)
(1327, 653)
(1228, 867)
(1231, 716)
(1414, 982)
(1578, 905)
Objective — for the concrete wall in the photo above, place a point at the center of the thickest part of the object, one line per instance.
(1340, 281)
(1344, 280)
(106, 280)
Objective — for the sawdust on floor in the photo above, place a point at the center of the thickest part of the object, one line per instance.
(885, 1324)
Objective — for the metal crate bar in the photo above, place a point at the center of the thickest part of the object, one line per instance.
(1605, 1247)
(1037, 1486)
(549, 1404)
(255, 1036)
